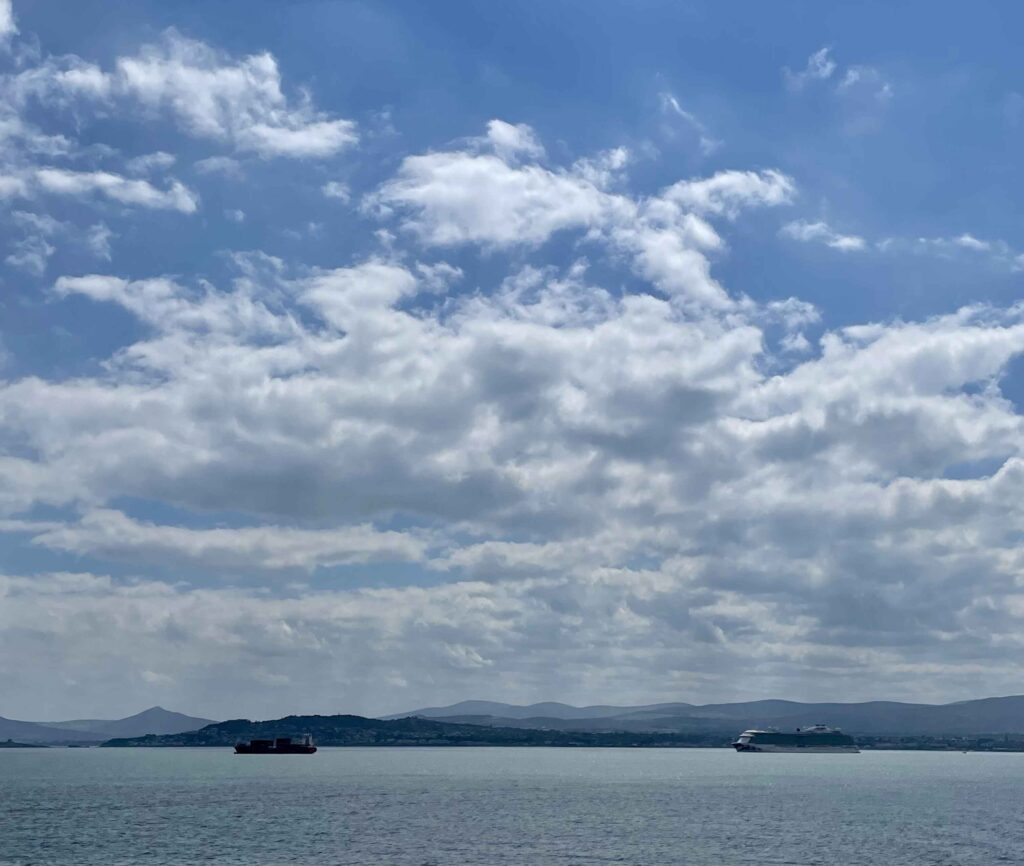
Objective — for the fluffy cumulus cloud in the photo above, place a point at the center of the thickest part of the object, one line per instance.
(34, 162)
(241, 101)
(209, 94)
(509, 140)
(463, 197)
(46, 102)
(506, 199)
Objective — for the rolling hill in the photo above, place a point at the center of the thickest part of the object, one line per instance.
(346, 730)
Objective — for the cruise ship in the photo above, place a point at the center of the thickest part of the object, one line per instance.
(818, 738)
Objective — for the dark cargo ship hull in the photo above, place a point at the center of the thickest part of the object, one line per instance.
(246, 749)
(279, 746)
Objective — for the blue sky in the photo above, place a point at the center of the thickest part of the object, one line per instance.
(403, 353)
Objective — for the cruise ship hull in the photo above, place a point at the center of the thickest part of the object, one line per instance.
(802, 750)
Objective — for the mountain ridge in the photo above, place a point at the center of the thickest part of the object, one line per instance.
(155, 720)
(993, 715)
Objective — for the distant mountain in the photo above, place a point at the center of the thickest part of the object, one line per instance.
(607, 724)
(984, 716)
(155, 720)
(34, 732)
(359, 731)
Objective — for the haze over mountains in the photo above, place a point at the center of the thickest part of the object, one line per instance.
(155, 720)
(1001, 715)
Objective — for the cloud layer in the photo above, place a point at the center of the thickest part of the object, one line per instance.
(531, 440)
(628, 487)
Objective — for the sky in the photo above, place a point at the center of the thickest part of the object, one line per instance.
(356, 357)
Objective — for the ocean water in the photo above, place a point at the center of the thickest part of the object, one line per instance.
(534, 807)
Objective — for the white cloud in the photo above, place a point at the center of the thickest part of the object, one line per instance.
(57, 82)
(437, 277)
(461, 197)
(142, 193)
(113, 535)
(210, 95)
(455, 198)
(165, 304)
(968, 241)
(236, 216)
(965, 247)
(822, 232)
(31, 254)
(819, 67)
(671, 107)
(8, 28)
(862, 92)
(43, 224)
(796, 342)
(97, 239)
(239, 101)
(867, 82)
(511, 141)
(220, 165)
(26, 182)
(349, 297)
(150, 162)
(336, 189)
(727, 193)
(13, 186)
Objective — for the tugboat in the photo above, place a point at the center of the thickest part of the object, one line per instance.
(278, 746)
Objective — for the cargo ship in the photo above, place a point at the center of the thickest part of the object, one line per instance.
(277, 746)
(818, 738)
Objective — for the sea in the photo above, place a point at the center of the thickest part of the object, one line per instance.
(490, 806)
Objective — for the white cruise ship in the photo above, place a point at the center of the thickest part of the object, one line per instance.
(817, 738)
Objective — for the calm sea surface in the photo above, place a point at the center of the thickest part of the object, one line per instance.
(516, 806)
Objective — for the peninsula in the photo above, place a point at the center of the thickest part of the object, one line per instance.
(346, 730)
